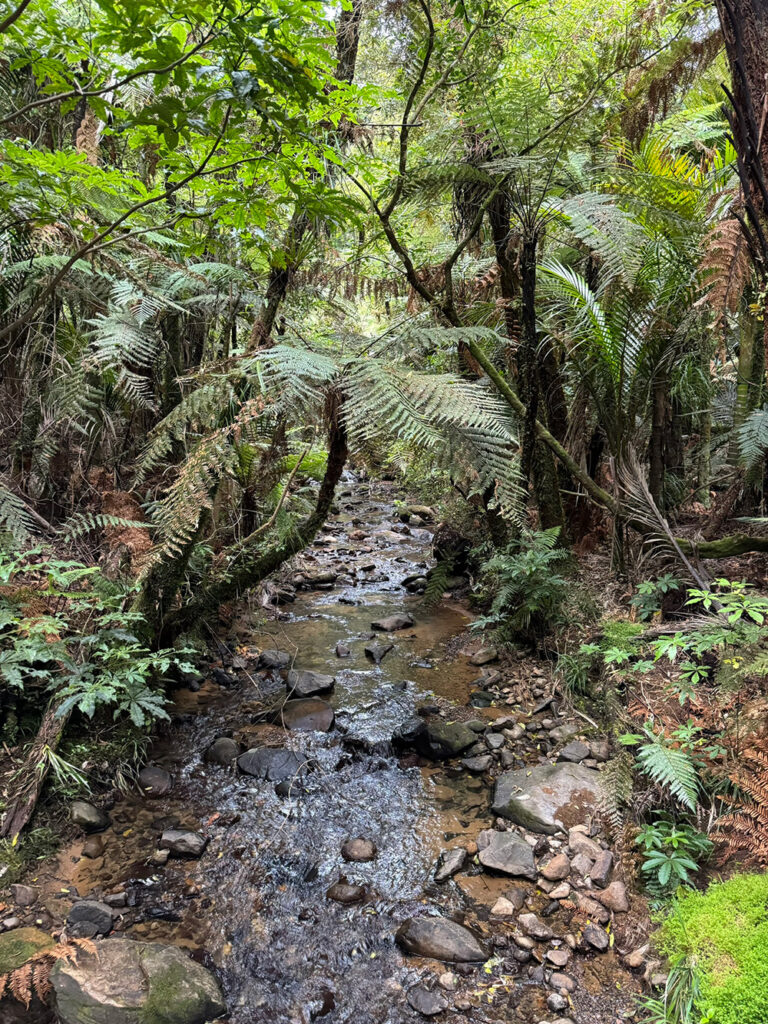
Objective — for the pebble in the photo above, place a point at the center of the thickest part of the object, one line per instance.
(558, 957)
(503, 908)
(602, 868)
(534, 927)
(24, 895)
(614, 897)
(556, 869)
(597, 937)
(93, 847)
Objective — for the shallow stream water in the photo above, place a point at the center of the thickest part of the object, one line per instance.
(256, 902)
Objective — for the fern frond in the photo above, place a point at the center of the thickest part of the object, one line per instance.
(671, 768)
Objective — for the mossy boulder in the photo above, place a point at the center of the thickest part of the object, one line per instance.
(129, 982)
(20, 945)
(722, 934)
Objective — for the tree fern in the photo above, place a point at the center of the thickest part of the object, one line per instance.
(753, 437)
(668, 765)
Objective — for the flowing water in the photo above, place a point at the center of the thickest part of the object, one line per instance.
(256, 901)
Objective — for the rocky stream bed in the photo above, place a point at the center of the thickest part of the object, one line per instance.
(358, 814)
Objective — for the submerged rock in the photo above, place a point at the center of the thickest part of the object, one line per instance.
(344, 892)
(506, 852)
(274, 764)
(89, 817)
(392, 623)
(308, 715)
(548, 798)
(127, 982)
(306, 683)
(359, 850)
(441, 939)
(378, 652)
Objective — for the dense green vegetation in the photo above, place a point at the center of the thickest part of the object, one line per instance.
(513, 255)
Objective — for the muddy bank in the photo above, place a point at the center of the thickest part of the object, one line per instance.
(298, 927)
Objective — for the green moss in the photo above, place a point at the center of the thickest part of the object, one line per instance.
(723, 932)
(19, 945)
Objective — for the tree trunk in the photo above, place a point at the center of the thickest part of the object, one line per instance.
(21, 804)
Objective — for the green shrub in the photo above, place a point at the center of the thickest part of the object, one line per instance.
(723, 934)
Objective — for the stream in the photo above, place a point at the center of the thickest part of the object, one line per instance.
(256, 901)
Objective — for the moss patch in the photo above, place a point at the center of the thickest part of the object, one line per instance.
(17, 946)
(723, 932)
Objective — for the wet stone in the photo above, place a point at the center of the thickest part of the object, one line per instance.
(377, 652)
(450, 863)
(441, 939)
(89, 817)
(506, 852)
(183, 842)
(447, 739)
(308, 684)
(548, 798)
(89, 918)
(155, 782)
(477, 765)
(93, 847)
(223, 751)
(274, 764)
(274, 660)
(359, 850)
(427, 1002)
(342, 651)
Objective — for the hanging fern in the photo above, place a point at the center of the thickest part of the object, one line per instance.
(753, 437)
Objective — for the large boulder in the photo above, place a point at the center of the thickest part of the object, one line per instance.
(127, 982)
(271, 763)
(507, 853)
(441, 939)
(155, 781)
(306, 683)
(182, 842)
(548, 798)
(19, 945)
(274, 660)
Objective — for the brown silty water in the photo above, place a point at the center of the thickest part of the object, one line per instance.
(255, 905)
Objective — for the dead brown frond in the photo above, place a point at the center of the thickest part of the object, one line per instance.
(745, 828)
(34, 976)
(87, 137)
(725, 268)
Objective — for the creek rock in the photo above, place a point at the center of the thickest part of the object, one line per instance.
(450, 863)
(312, 714)
(428, 1002)
(24, 895)
(306, 683)
(548, 798)
(93, 847)
(503, 908)
(274, 660)
(556, 869)
(223, 751)
(378, 652)
(506, 852)
(602, 868)
(342, 651)
(392, 623)
(447, 739)
(359, 850)
(410, 734)
(89, 817)
(535, 927)
(441, 939)
(17, 946)
(154, 781)
(274, 764)
(484, 656)
(563, 733)
(183, 842)
(597, 937)
(478, 765)
(89, 918)
(346, 893)
(128, 982)
(614, 897)
(575, 751)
